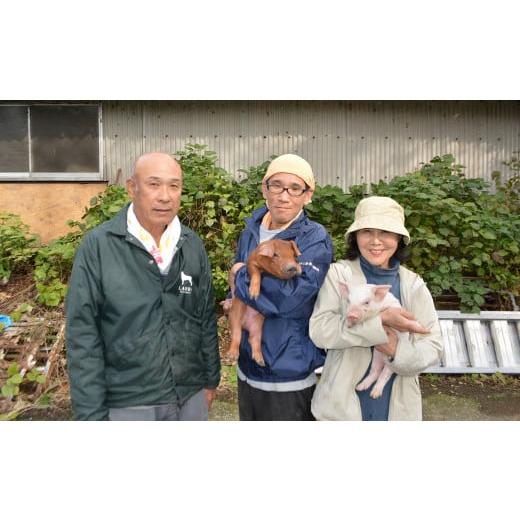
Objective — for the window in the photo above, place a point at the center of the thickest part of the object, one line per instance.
(50, 142)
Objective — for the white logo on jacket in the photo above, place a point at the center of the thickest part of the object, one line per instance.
(186, 283)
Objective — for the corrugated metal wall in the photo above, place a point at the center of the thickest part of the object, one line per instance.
(346, 142)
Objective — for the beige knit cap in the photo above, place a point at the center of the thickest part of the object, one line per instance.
(290, 163)
(379, 213)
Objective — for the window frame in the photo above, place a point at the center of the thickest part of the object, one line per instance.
(57, 176)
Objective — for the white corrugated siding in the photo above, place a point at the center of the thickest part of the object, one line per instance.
(346, 142)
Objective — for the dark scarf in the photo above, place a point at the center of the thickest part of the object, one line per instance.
(379, 276)
(377, 409)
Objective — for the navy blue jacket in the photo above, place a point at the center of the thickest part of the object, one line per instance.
(287, 305)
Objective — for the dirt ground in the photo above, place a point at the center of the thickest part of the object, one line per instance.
(475, 397)
(445, 398)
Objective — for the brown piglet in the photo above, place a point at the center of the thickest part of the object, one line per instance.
(277, 258)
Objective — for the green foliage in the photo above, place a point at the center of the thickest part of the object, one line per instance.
(334, 209)
(53, 263)
(103, 207)
(214, 205)
(52, 268)
(251, 179)
(464, 239)
(508, 193)
(44, 400)
(465, 232)
(21, 310)
(17, 246)
(35, 376)
(11, 388)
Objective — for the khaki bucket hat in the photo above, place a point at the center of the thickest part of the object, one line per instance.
(379, 213)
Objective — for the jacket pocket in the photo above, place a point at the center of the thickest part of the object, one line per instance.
(130, 354)
(189, 362)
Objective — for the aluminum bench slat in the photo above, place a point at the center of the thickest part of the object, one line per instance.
(479, 343)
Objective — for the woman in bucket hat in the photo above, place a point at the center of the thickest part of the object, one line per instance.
(377, 243)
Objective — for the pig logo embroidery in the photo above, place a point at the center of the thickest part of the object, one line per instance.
(186, 283)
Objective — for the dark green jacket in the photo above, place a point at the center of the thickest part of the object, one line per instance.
(134, 337)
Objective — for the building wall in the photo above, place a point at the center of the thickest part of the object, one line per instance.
(346, 142)
(46, 207)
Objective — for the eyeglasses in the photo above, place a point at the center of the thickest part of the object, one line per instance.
(293, 191)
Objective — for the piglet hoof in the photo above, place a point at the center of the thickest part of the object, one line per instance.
(254, 293)
(259, 359)
(226, 305)
(362, 386)
(254, 288)
(375, 394)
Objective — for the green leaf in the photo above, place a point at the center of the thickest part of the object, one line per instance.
(13, 369)
(8, 390)
(479, 300)
(44, 400)
(488, 234)
(16, 379)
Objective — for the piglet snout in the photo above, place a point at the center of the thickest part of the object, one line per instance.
(353, 317)
(292, 269)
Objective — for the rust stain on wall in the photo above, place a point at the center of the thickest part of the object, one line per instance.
(46, 207)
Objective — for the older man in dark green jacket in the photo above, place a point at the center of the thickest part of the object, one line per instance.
(141, 331)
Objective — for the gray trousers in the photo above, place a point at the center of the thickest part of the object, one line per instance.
(194, 409)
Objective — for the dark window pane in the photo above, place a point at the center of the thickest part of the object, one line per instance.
(14, 149)
(64, 138)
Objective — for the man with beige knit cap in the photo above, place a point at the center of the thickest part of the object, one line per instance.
(283, 388)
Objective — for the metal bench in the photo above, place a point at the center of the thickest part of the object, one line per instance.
(482, 343)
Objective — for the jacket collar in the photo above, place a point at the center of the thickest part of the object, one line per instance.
(300, 225)
(118, 224)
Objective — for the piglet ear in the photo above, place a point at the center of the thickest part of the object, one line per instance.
(343, 289)
(380, 291)
(266, 248)
(295, 248)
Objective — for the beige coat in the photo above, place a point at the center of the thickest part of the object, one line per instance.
(348, 355)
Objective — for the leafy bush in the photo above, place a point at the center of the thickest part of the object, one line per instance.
(334, 208)
(15, 377)
(103, 207)
(53, 263)
(465, 232)
(508, 193)
(464, 239)
(214, 205)
(17, 246)
(52, 267)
